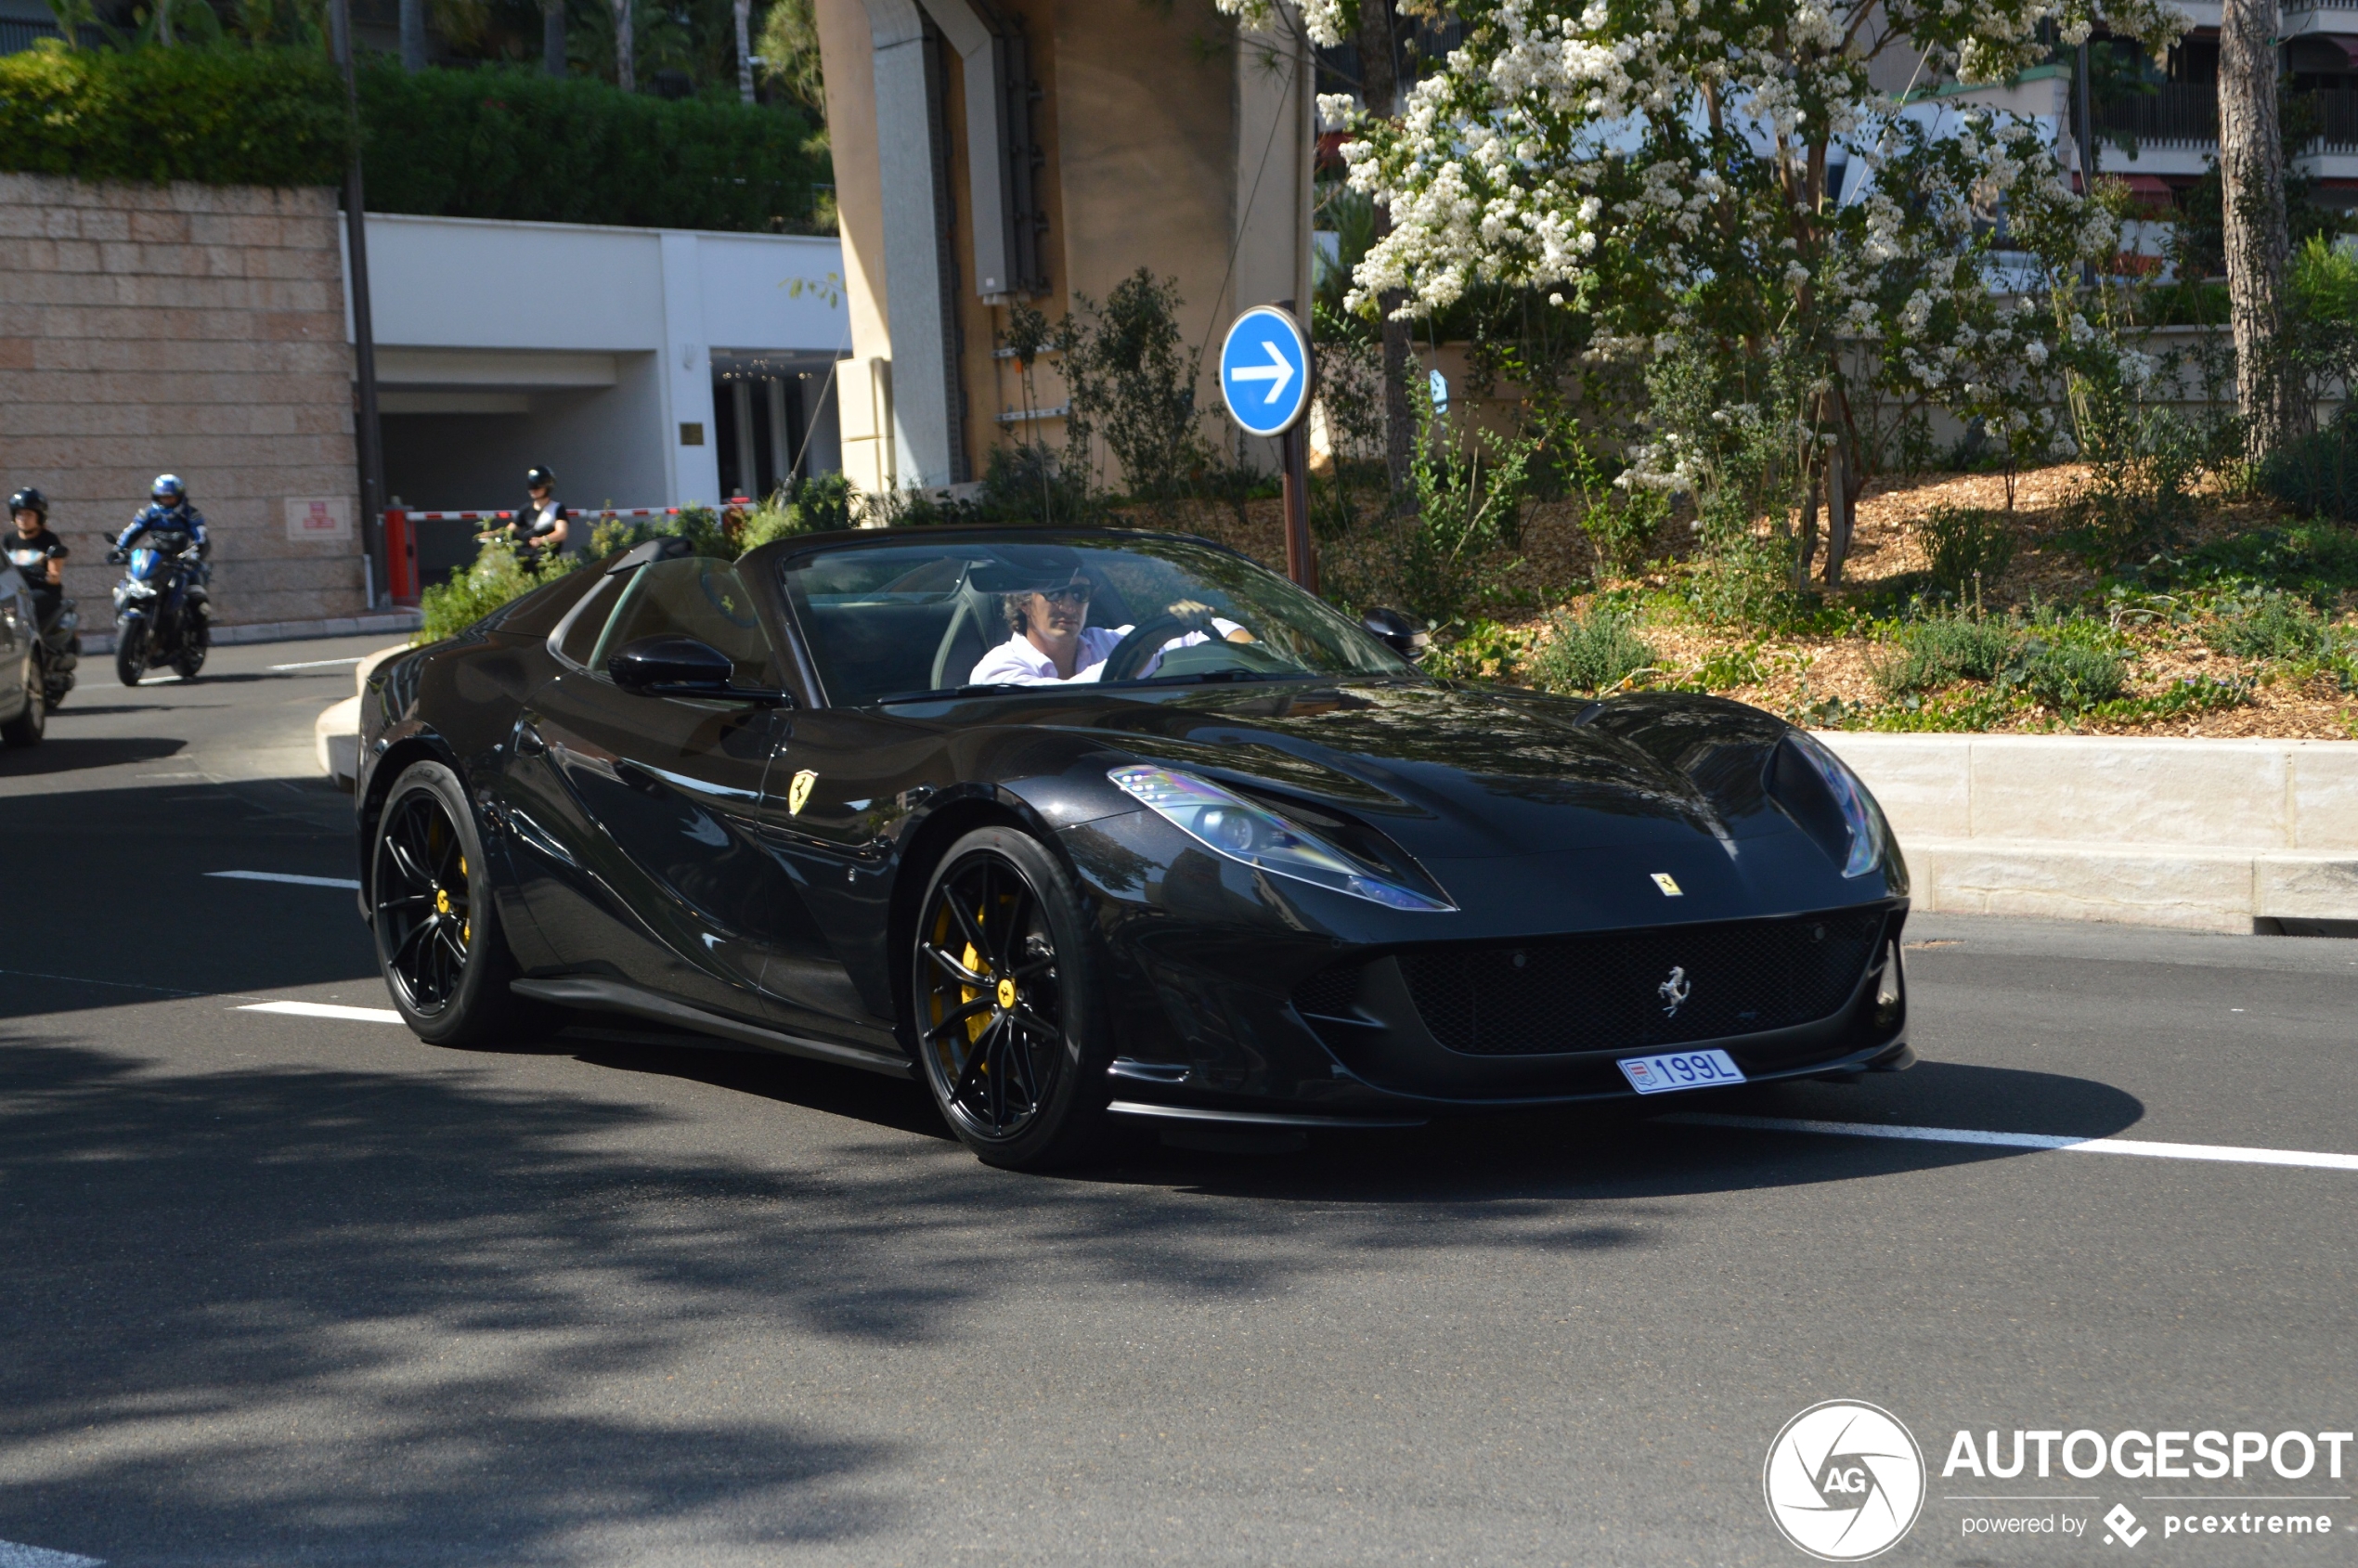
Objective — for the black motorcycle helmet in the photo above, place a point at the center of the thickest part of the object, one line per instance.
(29, 499)
(536, 477)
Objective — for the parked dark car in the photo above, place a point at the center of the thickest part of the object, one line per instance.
(1254, 869)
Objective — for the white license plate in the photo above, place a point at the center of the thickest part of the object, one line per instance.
(1680, 1069)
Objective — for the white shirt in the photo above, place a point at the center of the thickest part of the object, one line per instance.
(1015, 661)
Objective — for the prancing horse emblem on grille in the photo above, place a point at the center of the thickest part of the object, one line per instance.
(1672, 993)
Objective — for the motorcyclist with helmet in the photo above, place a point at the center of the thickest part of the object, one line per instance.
(168, 511)
(540, 523)
(37, 551)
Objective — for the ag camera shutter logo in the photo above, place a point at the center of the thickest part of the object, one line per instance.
(1844, 1481)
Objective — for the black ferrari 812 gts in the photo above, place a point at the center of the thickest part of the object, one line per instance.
(1082, 825)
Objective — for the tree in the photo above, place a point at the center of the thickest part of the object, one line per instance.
(2251, 175)
(789, 53)
(552, 36)
(626, 75)
(1669, 167)
(413, 34)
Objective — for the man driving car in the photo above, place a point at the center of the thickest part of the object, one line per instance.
(1051, 640)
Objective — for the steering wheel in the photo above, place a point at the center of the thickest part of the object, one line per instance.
(1145, 639)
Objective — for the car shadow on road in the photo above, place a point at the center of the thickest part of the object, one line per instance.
(301, 1315)
(70, 754)
(281, 1314)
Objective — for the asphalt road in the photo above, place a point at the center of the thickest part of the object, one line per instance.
(287, 1290)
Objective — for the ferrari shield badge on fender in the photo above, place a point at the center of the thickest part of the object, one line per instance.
(1669, 885)
(799, 791)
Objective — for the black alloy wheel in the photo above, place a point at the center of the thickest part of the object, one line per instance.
(130, 652)
(1005, 1017)
(438, 938)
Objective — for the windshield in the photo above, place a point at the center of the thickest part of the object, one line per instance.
(1054, 610)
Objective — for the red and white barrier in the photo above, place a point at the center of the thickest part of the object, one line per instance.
(401, 543)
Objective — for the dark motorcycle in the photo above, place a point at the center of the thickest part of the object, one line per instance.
(162, 613)
(60, 631)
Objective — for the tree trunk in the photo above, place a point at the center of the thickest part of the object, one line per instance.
(552, 36)
(626, 71)
(1379, 43)
(1840, 497)
(2251, 179)
(413, 34)
(744, 50)
(1807, 546)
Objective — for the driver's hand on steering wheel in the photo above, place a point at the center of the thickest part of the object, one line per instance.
(1191, 611)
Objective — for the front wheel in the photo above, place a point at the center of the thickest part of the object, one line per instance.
(131, 652)
(28, 726)
(1008, 1021)
(438, 939)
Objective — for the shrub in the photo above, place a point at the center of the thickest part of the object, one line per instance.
(473, 591)
(2317, 560)
(2072, 676)
(2316, 475)
(700, 525)
(508, 142)
(1939, 649)
(496, 142)
(1967, 547)
(2271, 625)
(816, 505)
(221, 116)
(1591, 652)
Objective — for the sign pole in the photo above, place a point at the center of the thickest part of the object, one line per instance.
(368, 433)
(1266, 375)
(1293, 456)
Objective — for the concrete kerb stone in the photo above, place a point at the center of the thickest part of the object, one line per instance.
(2201, 834)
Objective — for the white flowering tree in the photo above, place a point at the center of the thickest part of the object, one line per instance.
(1669, 167)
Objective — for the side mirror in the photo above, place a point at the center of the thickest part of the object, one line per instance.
(1396, 631)
(681, 667)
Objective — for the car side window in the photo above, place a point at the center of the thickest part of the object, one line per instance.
(577, 638)
(696, 597)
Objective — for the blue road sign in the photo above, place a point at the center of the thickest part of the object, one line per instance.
(1265, 370)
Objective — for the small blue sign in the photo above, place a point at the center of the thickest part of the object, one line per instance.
(1265, 370)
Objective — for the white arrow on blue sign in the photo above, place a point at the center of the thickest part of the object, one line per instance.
(1265, 370)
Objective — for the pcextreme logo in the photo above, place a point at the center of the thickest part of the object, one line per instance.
(1844, 1481)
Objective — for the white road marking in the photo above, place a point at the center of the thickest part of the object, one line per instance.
(320, 1010)
(2227, 1153)
(15, 1556)
(320, 664)
(342, 882)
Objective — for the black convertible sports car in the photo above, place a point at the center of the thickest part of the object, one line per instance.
(1084, 823)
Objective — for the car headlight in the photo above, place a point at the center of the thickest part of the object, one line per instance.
(1248, 833)
(1861, 818)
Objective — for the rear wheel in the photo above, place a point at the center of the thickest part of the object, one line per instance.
(445, 959)
(130, 652)
(195, 644)
(1008, 1022)
(28, 726)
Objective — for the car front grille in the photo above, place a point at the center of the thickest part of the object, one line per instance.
(1615, 991)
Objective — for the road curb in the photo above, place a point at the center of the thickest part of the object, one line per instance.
(285, 631)
(2200, 834)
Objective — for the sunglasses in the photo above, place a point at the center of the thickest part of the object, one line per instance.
(1069, 596)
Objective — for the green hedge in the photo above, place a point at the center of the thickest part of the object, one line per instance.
(218, 116)
(499, 142)
(504, 142)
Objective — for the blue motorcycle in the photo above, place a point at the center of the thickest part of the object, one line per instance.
(161, 612)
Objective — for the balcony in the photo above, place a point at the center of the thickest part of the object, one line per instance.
(2185, 114)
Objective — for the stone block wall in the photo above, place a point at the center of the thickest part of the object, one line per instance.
(186, 328)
